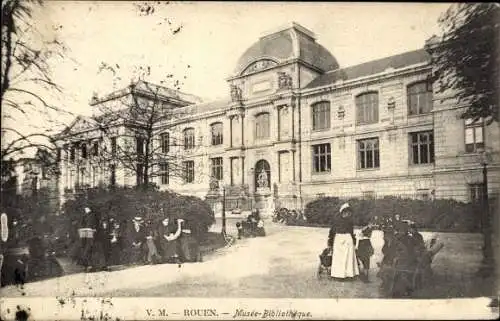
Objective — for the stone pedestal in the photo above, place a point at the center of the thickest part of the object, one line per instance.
(214, 198)
(264, 202)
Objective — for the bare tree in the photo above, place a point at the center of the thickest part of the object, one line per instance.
(150, 143)
(25, 77)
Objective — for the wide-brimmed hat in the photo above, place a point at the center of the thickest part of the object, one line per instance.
(138, 219)
(344, 207)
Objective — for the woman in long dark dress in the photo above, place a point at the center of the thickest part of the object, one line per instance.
(138, 241)
(101, 246)
(169, 232)
(189, 244)
(341, 239)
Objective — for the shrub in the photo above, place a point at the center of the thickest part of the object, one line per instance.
(441, 214)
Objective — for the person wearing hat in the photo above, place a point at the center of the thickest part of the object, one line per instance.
(341, 239)
(138, 240)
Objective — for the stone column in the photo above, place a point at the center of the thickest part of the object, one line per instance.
(242, 120)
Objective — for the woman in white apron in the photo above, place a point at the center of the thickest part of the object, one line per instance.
(341, 238)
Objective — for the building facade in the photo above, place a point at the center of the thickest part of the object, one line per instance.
(298, 126)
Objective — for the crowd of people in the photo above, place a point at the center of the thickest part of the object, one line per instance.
(104, 242)
(406, 263)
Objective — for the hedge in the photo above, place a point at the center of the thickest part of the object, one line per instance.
(122, 204)
(441, 214)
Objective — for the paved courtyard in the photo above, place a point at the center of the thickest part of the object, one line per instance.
(283, 264)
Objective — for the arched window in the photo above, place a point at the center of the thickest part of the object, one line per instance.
(189, 138)
(321, 115)
(262, 126)
(419, 98)
(367, 108)
(216, 131)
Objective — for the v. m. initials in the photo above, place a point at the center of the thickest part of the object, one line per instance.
(156, 312)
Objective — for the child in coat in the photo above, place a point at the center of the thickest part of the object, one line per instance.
(364, 250)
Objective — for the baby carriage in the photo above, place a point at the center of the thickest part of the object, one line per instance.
(325, 262)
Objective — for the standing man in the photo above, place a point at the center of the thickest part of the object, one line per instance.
(88, 227)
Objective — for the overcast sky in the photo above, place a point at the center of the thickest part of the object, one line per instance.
(214, 35)
(212, 38)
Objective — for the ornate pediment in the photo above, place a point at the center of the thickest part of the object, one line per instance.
(79, 125)
(259, 65)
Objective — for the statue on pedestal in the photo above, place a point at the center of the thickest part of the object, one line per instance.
(262, 179)
(214, 184)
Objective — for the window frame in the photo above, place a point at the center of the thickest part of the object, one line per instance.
(165, 142)
(259, 127)
(364, 105)
(318, 109)
(469, 124)
(217, 138)
(428, 97)
(83, 151)
(475, 189)
(217, 168)
(164, 174)
(375, 150)
(430, 147)
(189, 138)
(188, 167)
(318, 154)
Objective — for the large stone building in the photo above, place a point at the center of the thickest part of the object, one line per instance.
(297, 126)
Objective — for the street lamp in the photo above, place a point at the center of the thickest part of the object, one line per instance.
(223, 191)
(487, 263)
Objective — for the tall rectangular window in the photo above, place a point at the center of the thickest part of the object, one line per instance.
(367, 108)
(262, 126)
(217, 168)
(139, 145)
(188, 171)
(322, 158)
(72, 153)
(113, 146)
(216, 131)
(476, 192)
(164, 175)
(95, 149)
(83, 149)
(112, 178)
(189, 138)
(368, 153)
(420, 98)
(321, 115)
(422, 147)
(165, 142)
(140, 174)
(474, 132)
